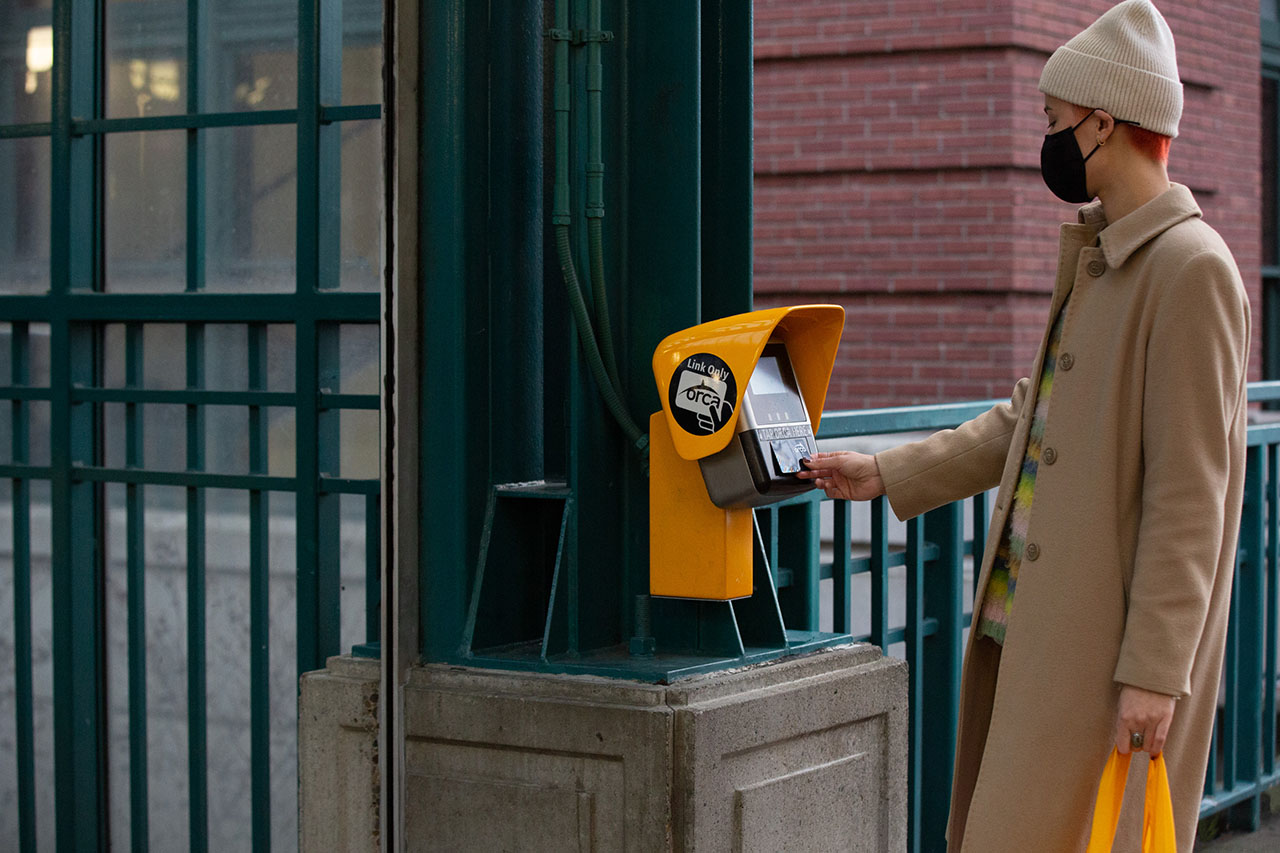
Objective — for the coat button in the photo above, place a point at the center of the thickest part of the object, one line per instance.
(1066, 361)
(1097, 267)
(1033, 551)
(1049, 456)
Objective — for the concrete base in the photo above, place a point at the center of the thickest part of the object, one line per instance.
(805, 753)
(338, 780)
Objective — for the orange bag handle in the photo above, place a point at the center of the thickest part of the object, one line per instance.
(1157, 821)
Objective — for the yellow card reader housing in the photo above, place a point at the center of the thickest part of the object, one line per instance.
(742, 399)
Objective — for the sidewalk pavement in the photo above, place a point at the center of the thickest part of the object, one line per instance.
(1265, 840)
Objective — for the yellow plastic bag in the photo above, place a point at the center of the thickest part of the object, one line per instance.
(1157, 821)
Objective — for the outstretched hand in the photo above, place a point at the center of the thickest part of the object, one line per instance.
(845, 475)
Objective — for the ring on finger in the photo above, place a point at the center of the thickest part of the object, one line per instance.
(1136, 740)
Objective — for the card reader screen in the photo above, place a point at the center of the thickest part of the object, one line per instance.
(775, 399)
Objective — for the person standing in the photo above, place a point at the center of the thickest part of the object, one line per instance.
(1103, 598)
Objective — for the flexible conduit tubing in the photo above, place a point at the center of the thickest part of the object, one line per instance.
(604, 373)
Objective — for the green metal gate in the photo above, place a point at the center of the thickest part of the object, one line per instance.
(189, 392)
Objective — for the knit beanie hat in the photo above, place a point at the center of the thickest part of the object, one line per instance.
(1123, 63)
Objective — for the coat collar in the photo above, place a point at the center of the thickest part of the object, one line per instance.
(1122, 238)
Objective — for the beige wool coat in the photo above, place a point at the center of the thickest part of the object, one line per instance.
(1131, 545)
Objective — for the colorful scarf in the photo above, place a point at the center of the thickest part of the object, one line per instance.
(998, 601)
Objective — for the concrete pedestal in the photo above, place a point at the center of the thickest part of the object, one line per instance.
(806, 753)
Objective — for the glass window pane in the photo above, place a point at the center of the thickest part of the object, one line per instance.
(26, 62)
(165, 428)
(42, 654)
(353, 570)
(358, 429)
(39, 425)
(164, 355)
(226, 359)
(358, 360)
(361, 200)
(146, 58)
(146, 211)
(165, 536)
(255, 54)
(282, 443)
(38, 355)
(6, 438)
(281, 357)
(283, 645)
(250, 218)
(1271, 10)
(228, 653)
(361, 52)
(226, 439)
(6, 355)
(1269, 176)
(24, 221)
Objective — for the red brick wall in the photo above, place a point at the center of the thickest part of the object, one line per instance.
(897, 154)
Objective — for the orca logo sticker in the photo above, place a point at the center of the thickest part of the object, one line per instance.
(702, 394)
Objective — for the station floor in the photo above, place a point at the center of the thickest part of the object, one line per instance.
(1265, 840)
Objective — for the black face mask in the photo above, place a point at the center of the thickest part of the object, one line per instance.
(1062, 164)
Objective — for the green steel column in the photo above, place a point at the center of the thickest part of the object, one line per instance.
(24, 740)
(914, 641)
(197, 688)
(79, 742)
(135, 514)
(310, 655)
(1271, 609)
(728, 179)
(841, 567)
(516, 226)
(1251, 596)
(259, 598)
(318, 247)
(942, 656)
(197, 682)
(658, 120)
(453, 408)
(634, 103)
(880, 573)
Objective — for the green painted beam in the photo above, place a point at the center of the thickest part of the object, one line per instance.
(135, 559)
(451, 501)
(259, 600)
(24, 704)
(180, 307)
(79, 742)
(728, 181)
(197, 608)
(25, 131)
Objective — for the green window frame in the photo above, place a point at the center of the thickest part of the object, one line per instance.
(80, 368)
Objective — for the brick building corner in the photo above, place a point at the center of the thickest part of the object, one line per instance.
(897, 149)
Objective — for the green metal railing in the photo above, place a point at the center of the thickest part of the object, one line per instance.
(931, 564)
(88, 327)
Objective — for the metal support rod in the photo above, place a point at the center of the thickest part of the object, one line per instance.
(560, 199)
(21, 498)
(135, 502)
(197, 686)
(595, 188)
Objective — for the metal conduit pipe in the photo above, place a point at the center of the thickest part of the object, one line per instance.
(595, 187)
(605, 378)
